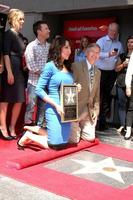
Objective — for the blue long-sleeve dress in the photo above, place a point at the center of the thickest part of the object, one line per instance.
(49, 84)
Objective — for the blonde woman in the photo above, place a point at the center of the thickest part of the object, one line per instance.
(12, 90)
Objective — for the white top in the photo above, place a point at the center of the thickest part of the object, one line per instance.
(129, 73)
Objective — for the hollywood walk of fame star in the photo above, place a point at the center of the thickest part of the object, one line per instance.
(106, 167)
(70, 97)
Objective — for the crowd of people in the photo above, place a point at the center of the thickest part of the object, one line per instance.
(34, 72)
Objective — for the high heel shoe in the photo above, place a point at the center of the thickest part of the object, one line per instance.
(14, 136)
(19, 146)
(5, 137)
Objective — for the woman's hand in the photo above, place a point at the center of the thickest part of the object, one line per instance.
(128, 91)
(10, 78)
(59, 110)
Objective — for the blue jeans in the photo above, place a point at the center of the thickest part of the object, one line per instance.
(32, 101)
(121, 105)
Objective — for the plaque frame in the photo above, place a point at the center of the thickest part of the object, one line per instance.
(69, 102)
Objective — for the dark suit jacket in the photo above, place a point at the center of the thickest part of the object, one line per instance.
(88, 100)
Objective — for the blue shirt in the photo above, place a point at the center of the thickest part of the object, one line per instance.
(107, 45)
(80, 56)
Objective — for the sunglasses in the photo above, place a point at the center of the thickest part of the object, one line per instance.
(21, 19)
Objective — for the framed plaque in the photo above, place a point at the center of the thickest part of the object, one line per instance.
(69, 102)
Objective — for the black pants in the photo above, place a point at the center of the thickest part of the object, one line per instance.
(107, 81)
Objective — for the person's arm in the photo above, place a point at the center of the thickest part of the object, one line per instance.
(10, 76)
(120, 65)
(1, 63)
(128, 78)
(97, 98)
(7, 49)
(102, 42)
(42, 87)
(75, 72)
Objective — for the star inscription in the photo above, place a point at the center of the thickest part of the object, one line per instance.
(106, 167)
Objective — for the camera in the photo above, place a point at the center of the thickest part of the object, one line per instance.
(115, 49)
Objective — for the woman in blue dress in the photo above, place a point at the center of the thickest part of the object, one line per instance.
(56, 72)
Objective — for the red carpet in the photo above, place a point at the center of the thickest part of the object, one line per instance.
(46, 155)
(63, 184)
(110, 150)
(67, 185)
(12, 157)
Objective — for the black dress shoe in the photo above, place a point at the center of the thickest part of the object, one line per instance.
(14, 137)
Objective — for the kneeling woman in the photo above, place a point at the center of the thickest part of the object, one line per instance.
(56, 72)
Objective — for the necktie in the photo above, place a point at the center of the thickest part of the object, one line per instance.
(91, 76)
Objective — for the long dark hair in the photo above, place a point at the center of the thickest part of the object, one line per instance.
(129, 37)
(123, 56)
(55, 53)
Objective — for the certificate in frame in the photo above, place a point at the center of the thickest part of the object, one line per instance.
(69, 102)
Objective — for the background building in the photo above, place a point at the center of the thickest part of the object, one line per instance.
(56, 12)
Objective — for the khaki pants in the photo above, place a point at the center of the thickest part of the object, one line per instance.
(82, 130)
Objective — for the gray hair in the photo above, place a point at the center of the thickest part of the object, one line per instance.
(92, 45)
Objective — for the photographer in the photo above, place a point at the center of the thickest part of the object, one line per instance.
(111, 48)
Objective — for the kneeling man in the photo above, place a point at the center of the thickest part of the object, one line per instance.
(87, 74)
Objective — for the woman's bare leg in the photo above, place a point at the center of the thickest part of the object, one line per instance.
(36, 129)
(3, 114)
(15, 114)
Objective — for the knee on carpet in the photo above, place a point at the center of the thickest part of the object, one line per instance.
(88, 137)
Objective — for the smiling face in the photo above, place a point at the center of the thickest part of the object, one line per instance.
(92, 54)
(65, 51)
(44, 31)
(113, 31)
(16, 19)
(20, 21)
